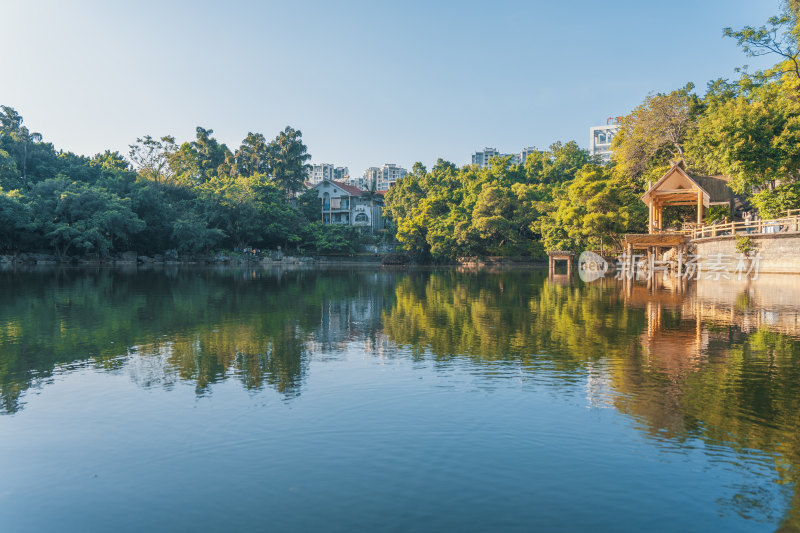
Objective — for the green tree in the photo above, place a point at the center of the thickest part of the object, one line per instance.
(287, 160)
(192, 234)
(594, 205)
(73, 215)
(653, 134)
(151, 157)
(11, 124)
(778, 37)
(753, 137)
(15, 217)
(252, 156)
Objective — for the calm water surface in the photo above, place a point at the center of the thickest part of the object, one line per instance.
(361, 400)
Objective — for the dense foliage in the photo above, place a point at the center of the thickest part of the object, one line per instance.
(193, 197)
(748, 129)
(561, 199)
(558, 198)
(201, 195)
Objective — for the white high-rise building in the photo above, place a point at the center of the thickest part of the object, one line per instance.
(319, 172)
(600, 138)
(362, 181)
(382, 177)
(325, 171)
(341, 174)
(526, 152)
(482, 158)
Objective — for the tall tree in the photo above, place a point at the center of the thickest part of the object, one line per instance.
(200, 160)
(778, 37)
(654, 133)
(150, 157)
(252, 156)
(288, 158)
(11, 123)
(15, 216)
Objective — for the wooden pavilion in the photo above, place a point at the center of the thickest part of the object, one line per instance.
(678, 187)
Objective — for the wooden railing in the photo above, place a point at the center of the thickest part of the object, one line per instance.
(789, 223)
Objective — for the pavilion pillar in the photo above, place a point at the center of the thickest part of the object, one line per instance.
(699, 207)
(569, 267)
(631, 269)
(659, 217)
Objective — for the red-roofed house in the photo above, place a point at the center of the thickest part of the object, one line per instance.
(341, 203)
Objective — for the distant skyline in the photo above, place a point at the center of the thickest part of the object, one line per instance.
(367, 83)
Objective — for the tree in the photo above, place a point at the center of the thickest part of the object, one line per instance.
(73, 215)
(192, 234)
(198, 161)
(151, 157)
(8, 169)
(753, 137)
(654, 133)
(335, 239)
(11, 123)
(493, 219)
(778, 37)
(556, 165)
(595, 204)
(252, 156)
(15, 216)
(287, 160)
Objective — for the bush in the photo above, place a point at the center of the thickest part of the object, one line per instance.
(716, 212)
(744, 245)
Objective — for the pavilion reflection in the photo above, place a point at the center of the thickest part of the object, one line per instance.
(719, 362)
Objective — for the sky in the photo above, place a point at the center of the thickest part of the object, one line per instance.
(366, 83)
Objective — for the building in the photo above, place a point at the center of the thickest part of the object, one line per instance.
(325, 171)
(369, 179)
(381, 178)
(600, 138)
(360, 182)
(341, 174)
(523, 156)
(482, 158)
(320, 172)
(344, 204)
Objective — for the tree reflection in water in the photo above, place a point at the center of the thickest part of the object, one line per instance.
(714, 361)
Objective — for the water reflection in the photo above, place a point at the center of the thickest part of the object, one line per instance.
(163, 326)
(715, 362)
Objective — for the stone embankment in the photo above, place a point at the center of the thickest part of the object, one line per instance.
(779, 253)
(171, 257)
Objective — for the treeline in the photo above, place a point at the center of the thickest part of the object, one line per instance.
(748, 129)
(559, 198)
(200, 196)
(194, 197)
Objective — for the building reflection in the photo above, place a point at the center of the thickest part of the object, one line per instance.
(202, 326)
(715, 360)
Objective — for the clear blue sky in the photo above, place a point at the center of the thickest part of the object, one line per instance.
(366, 82)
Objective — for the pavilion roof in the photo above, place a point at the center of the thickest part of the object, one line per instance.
(715, 189)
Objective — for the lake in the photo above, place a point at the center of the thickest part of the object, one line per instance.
(395, 400)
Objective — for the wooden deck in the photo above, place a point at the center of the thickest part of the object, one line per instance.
(648, 240)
